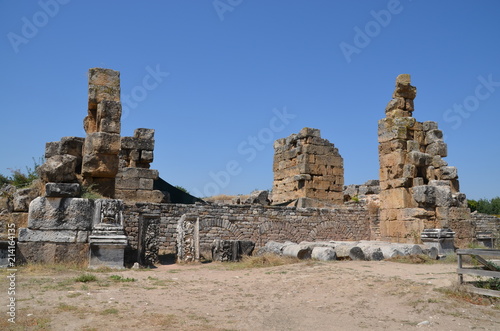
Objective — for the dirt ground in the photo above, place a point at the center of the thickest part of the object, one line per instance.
(340, 295)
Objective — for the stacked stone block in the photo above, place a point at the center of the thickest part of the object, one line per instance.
(136, 184)
(102, 125)
(307, 166)
(137, 151)
(418, 188)
(134, 180)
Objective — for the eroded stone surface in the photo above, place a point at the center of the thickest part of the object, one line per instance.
(307, 166)
(418, 188)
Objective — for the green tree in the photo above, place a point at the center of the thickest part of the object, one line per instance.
(4, 180)
(495, 205)
(472, 204)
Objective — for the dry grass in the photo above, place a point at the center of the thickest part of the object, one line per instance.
(413, 259)
(462, 293)
(49, 268)
(263, 261)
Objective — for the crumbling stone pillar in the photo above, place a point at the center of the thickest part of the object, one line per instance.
(418, 188)
(102, 125)
(134, 180)
(307, 166)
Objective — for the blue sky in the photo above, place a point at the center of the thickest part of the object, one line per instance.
(232, 76)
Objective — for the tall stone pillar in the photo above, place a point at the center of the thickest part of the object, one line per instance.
(418, 189)
(102, 125)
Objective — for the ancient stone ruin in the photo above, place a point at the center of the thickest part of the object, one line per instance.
(418, 189)
(113, 166)
(141, 218)
(307, 167)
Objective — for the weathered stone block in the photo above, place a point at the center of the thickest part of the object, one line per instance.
(409, 170)
(438, 162)
(417, 181)
(391, 146)
(459, 213)
(100, 165)
(432, 136)
(424, 195)
(449, 173)
(147, 156)
(45, 252)
(445, 183)
(412, 213)
(407, 122)
(397, 103)
(154, 196)
(72, 146)
(397, 113)
(437, 148)
(22, 198)
(62, 190)
(109, 116)
(128, 173)
(397, 198)
(104, 77)
(142, 133)
(59, 169)
(51, 149)
(60, 236)
(443, 196)
(412, 145)
(60, 214)
(102, 143)
(98, 94)
(429, 125)
(104, 84)
(418, 158)
(405, 90)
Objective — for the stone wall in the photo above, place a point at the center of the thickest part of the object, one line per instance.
(418, 188)
(307, 166)
(244, 222)
(487, 229)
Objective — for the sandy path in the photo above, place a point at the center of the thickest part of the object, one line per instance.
(348, 295)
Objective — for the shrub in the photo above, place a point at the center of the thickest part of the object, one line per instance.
(181, 188)
(85, 278)
(118, 278)
(88, 192)
(20, 179)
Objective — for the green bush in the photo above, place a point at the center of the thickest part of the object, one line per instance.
(485, 206)
(22, 179)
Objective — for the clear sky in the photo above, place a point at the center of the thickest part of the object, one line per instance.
(220, 80)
